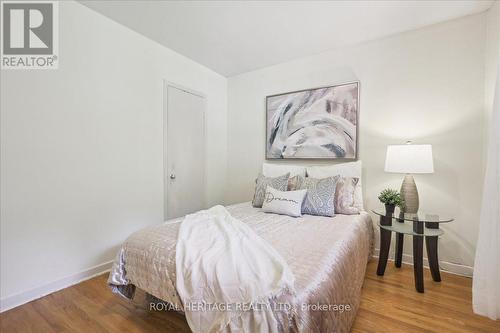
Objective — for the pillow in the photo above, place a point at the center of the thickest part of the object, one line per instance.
(320, 196)
(275, 170)
(261, 183)
(295, 182)
(351, 169)
(344, 196)
(284, 202)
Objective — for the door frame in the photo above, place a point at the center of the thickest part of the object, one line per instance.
(166, 84)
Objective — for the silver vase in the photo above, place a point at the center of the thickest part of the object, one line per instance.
(409, 193)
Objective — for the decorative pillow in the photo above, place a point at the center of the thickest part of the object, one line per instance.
(284, 202)
(351, 169)
(320, 196)
(261, 183)
(275, 170)
(295, 182)
(344, 196)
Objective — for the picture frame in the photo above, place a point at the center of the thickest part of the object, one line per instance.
(317, 123)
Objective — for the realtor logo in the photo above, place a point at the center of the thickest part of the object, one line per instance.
(29, 35)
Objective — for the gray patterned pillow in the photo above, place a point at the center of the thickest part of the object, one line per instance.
(279, 183)
(320, 196)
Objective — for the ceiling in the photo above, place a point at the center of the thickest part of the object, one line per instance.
(233, 37)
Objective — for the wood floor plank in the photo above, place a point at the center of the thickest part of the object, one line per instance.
(389, 304)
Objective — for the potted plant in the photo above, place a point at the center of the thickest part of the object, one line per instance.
(391, 198)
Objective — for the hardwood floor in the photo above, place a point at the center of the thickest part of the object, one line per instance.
(389, 304)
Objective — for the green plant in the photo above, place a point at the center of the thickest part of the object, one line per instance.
(391, 197)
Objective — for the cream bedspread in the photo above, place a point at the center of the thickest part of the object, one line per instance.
(327, 256)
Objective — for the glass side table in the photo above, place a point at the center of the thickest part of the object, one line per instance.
(420, 225)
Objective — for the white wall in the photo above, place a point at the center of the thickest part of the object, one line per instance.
(426, 85)
(82, 153)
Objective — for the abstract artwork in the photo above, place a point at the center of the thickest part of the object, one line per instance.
(316, 123)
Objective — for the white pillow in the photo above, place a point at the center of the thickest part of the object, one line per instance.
(351, 169)
(276, 170)
(284, 202)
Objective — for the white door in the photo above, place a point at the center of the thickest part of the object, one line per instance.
(185, 152)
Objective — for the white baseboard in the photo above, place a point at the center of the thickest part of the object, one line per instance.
(444, 266)
(12, 301)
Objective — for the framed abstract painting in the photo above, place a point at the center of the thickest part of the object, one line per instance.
(319, 123)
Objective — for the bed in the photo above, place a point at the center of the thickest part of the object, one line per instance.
(328, 257)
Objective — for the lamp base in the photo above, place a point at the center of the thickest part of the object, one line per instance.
(409, 193)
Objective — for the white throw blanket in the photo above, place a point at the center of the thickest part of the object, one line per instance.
(223, 270)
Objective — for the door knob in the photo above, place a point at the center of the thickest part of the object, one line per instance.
(172, 176)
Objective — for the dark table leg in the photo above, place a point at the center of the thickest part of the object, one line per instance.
(431, 244)
(418, 264)
(385, 244)
(399, 249)
(432, 254)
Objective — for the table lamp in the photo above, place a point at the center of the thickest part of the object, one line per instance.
(409, 159)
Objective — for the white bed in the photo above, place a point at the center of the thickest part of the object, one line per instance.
(327, 255)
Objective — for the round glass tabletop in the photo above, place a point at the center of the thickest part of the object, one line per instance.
(420, 216)
(407, 228)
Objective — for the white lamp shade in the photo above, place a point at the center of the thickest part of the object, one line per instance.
(409, 159)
